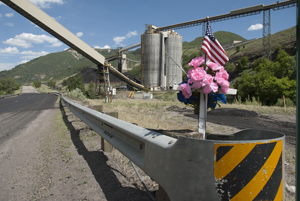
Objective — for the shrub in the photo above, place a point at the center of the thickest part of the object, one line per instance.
(76, 94)
(65, 82)
(7, 86)
(37, 84)
(52, 83)
(91, 90)
(289, 102)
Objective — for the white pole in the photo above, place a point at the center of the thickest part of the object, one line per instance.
(202, 114)
(203, 110)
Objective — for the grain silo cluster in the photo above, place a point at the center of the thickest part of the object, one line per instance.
(161, 59)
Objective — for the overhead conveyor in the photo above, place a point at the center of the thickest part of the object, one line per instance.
(46, 22)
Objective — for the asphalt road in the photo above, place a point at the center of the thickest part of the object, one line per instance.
(18, 112)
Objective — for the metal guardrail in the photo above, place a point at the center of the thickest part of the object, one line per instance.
(129, 139)
(193, 169)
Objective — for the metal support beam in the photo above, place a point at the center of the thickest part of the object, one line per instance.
(103, 81)
(203, 29)
(46, 22)
(267, 34)
(244, 12)
(106, 80)
(298, 108)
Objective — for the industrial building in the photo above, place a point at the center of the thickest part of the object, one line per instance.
(161, 59)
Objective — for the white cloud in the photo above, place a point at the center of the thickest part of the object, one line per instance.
(9, 24)
(105, 47)
(255, 27)
(119, 39)
(58, 18)
(6, 66)
(22, 62)
(10, 50)
(0, 13)
(25, 40)
(131, 33)
(1, 3)
(9, 14)
(79, 34)
(31, 55)
(46, 3)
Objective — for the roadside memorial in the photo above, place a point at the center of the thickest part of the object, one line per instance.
(208, 81)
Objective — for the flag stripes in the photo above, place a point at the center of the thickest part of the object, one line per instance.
(249, 167)
(214, 51)
(212, 48)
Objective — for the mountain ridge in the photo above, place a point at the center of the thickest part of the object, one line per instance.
(60, 65)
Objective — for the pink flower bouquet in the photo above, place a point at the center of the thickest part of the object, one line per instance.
(210, 78)
(206, 77)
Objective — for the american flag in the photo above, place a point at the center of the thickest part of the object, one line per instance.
(212, 48)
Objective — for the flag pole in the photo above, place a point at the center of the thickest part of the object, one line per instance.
(203, 108)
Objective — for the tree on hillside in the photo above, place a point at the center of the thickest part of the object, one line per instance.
(65, 82)
(269, 81)
(284, 65)
(76, 82)
(242, 64)
(79, 83)
(91, 90)
(7, 86)
(37, 84)
(52, 83)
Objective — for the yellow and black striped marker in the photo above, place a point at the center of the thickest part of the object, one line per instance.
(249, 171)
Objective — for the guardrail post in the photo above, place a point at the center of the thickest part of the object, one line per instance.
(98, 108)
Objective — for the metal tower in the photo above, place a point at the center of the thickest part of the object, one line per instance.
(267, 34)
(103, 80)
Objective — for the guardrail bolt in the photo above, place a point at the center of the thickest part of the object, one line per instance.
(105, 146)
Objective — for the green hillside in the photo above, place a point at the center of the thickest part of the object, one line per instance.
(63, 64)
(286, 39)
(222, 36)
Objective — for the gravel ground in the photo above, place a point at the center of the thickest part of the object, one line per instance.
(58, 158)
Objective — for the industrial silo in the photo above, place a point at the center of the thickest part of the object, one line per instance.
(173, 59)
(151, 56)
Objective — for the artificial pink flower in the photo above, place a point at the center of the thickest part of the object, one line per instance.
(222, 73)
(213, 66)
(197, 61)
(196, 74)
(221, 81)
(224, 89)
(224, 84)
(208, 79)
(214, 87)
(186, 90)
(197, 85)
(210, 87)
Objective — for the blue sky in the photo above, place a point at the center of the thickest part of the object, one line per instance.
(116, 23)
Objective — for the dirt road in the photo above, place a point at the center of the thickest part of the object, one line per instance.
(24, 121)
(43, 157)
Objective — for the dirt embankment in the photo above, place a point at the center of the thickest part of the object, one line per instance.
(59, 158)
